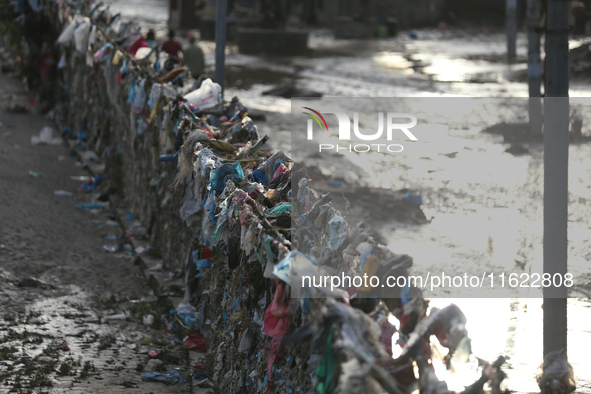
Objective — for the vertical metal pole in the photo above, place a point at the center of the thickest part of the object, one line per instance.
(534, 66)
(556, 141)
(511, 25)
(220, 42)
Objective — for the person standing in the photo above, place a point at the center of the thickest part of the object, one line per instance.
(172, 46)
(151, 38)
(194, 58)
(142, 42)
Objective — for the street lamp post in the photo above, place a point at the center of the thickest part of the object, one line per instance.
(556, 141)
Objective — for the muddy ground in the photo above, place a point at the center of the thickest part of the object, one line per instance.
(62, 330)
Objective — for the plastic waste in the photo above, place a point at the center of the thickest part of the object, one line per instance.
(91, 184)
(90, 156)
(200, 372)
(185, 308)
(92, 35)
(66, 132)
(89, 206)
(336, 228)
(46, 137)
(115, 26)
(102, 53)
(195, 342)
(279, 209)
(219, 176)
(81, 34)
(245, 223)
(136, 229)
(245, 342)
(170, 377)
(555, 374)
(143, 53)
(34, 174)
(62, 193)
(275, 326)
(326, 370)
(148, 320)
(118, 316)
(62, 63)
(173, 158)
(67, 34)
(114, 248)
(206, 96)
(153, 365)
(429, 384)
(489, 372)
(355, 377)
(83, 178)
(139, 99)
(279, 306)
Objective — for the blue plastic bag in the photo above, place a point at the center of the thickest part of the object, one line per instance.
(170, 377)
(219, 176)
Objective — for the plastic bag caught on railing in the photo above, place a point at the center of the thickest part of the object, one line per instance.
(206, 96)
(67, 34)
(81, 34)
(101, 53)
(555, 374)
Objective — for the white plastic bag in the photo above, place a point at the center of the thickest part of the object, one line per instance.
(46, 137)
(115, 26)
(62, 62)
(92, 36)
(206, 96)
(155, 95)
(140, 99)
(81, 34)
(67, 33)
(143, 52)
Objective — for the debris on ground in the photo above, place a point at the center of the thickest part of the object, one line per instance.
(170, 377)
(30, 282)
(153, 365)
(90, 206)
(46, 137)
(555, 374)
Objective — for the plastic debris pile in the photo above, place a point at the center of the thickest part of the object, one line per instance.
(245, 227)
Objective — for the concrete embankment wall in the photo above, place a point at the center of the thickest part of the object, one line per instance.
(239, 223)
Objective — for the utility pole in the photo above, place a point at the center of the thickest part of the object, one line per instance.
(556, 141)
(511, 25)
(220, 42)
(534, 66)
